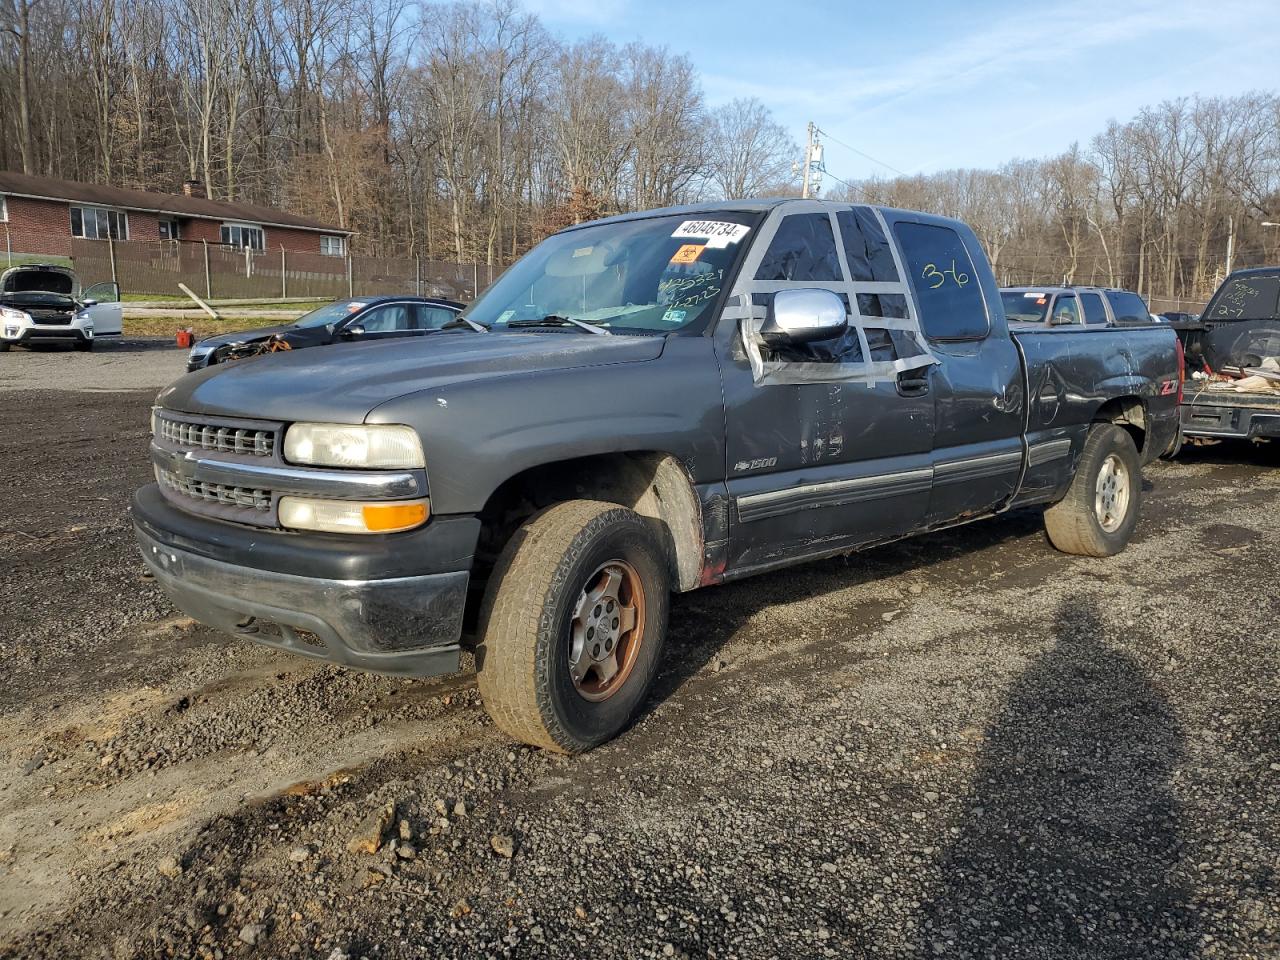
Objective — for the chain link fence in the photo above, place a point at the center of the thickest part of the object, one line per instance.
(217, 272)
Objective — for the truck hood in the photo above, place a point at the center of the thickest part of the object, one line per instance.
(343, 383)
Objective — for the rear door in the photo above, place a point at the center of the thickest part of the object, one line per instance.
(978, 391)
(108, 313)
(433, 316)
(821, 455)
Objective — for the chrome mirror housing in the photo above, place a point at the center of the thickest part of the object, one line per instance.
(800, 316)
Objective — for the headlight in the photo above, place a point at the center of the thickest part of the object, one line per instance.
(347, 516)
(8, 313)
(353, 445)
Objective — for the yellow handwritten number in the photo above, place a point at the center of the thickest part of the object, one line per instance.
(931, 270)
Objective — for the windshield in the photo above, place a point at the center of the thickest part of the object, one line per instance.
(1025, 307)
(659, 275)
(330, 313)
(1246, 298)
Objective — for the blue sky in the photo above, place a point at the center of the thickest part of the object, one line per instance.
(924, 86)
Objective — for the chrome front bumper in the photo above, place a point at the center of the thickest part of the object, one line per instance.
(407, 626)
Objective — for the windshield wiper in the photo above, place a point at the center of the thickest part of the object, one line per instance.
(461, 321)
(555, 320)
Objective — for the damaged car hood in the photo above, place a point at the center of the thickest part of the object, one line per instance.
(344, 382)
(244, 336)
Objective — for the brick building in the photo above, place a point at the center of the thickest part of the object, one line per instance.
(41, 215)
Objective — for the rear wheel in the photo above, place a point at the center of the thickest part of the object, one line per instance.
(1097, 516)
(572, 626)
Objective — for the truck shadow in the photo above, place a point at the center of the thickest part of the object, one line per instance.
(1070, 843)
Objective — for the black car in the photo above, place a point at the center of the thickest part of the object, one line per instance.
(359, 318)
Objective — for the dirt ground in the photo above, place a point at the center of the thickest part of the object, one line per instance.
(964, 745)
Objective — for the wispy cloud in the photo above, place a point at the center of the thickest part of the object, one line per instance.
(1037, 39)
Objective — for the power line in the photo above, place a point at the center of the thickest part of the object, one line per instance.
(867, 156)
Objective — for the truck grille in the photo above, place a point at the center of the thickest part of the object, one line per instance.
(223, 439)
(247, 497)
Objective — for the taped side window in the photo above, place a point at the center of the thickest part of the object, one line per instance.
(803, 249)
(866, 247)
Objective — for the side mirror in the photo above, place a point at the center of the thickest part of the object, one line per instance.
(88, 303)
(800, 316)
(353, 330)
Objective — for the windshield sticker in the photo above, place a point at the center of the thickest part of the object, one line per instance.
(717, 233)
(353, 307)
(687, 253)
(582, 252)
(674, 316)
(1031, 295)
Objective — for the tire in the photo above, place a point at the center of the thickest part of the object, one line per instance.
(84, 345)
(539, 608)
(4, 347)
(1097, 516)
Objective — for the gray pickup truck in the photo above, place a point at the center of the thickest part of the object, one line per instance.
(653, 402)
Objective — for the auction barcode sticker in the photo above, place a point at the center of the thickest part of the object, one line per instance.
(717, 233)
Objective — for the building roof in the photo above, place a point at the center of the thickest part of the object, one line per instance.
(176, 204)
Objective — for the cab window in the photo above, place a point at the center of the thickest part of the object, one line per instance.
(1065, 310)
(803, 249)
(1094, 312)
(945, 282)
(1128, 308)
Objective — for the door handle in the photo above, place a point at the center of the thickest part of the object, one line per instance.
(913, 383)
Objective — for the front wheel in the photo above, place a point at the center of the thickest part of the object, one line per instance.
(84, 345)
(572, 626)
(1097, 516)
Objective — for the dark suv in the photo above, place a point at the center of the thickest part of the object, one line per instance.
(359, 318)
(1067, 306)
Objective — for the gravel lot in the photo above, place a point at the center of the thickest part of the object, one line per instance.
(964, 745)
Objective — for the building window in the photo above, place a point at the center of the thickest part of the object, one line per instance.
(168, 229)
(4, 209)
(333, 246)
(244, 236)
(99, 223)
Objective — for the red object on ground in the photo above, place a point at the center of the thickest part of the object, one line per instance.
(184, 339)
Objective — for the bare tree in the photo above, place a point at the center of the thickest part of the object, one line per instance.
(748, 152)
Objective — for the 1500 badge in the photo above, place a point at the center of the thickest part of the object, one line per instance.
(759, 464)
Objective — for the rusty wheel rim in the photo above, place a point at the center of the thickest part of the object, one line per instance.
(607, 630)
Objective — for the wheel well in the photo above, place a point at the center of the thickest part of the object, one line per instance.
(1127, 412)
(653, 484)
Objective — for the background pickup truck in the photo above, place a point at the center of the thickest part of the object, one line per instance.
(1239, 329)
(654, 402)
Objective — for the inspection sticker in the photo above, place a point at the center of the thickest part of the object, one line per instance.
(717, 233)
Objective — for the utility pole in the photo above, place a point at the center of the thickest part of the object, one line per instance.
(1231, 242)
(808, 161)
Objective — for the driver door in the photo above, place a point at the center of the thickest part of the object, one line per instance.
(814, 467)
(387, 321)
(108, 313)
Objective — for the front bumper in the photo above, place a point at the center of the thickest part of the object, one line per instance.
(231, 578)
(26, 333)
